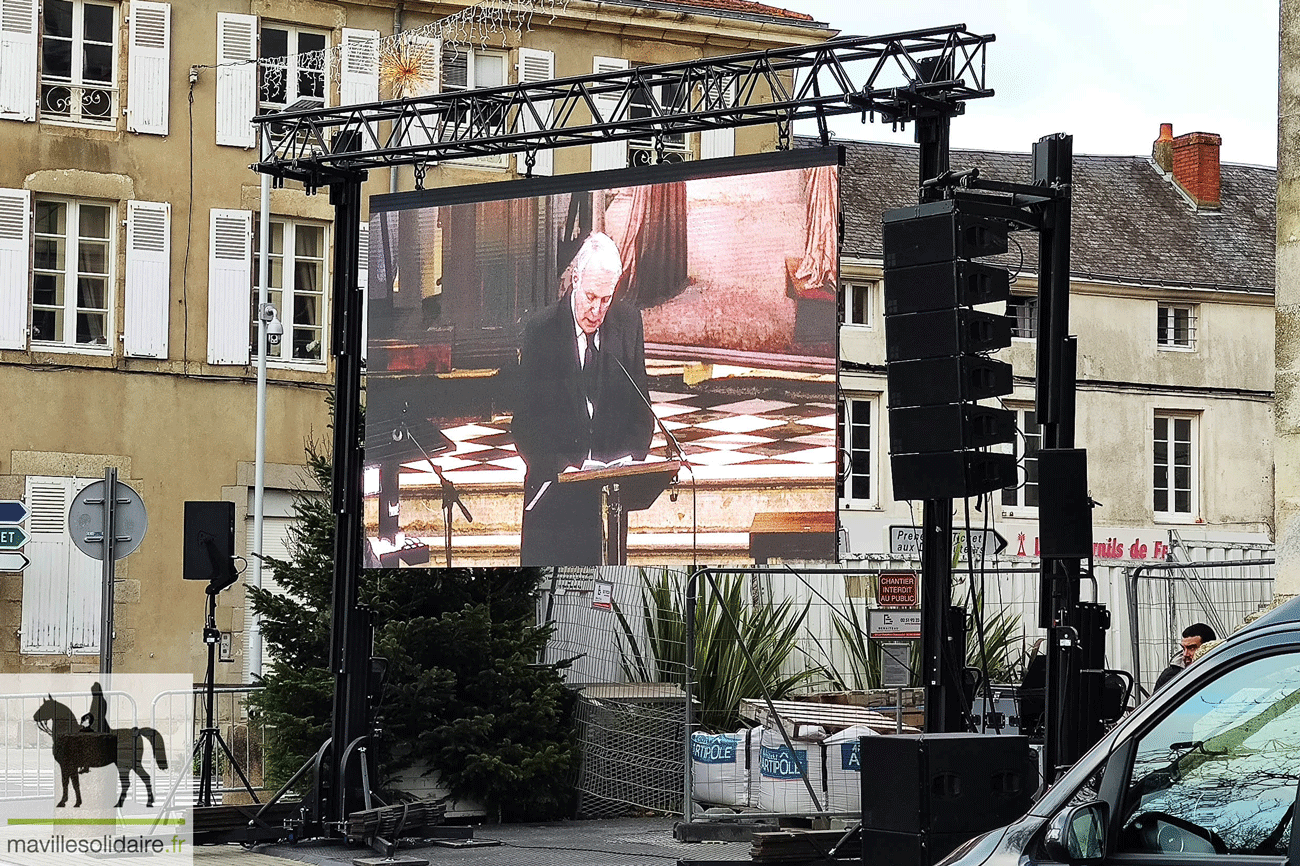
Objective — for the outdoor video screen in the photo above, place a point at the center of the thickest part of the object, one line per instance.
(622, 367)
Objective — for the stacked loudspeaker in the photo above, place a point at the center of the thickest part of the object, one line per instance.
(936, 344)
(925, 794)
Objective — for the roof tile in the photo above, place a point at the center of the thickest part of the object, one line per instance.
(1128, 222)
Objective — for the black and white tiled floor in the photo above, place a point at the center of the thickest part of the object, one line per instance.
(725, 439)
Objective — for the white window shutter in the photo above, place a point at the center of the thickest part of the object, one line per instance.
(62, 585)
(18, 59)
(718, 142)
(236, 79)
(363, 284)
(230, 275)
(359, 73)
(428, 51)
(148, 278)
(15, 255)
(608, 154)
(537, 65)
(85, 591)
(149, 73)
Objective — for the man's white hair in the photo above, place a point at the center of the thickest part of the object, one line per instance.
(598, 249)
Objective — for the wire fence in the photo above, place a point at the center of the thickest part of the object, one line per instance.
(788, 666)
(758, 640)
(1165, 598)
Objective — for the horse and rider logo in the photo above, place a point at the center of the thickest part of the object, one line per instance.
(81, 745)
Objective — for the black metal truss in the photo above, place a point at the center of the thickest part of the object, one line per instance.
(899, 77)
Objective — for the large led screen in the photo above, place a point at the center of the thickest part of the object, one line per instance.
(619, 367)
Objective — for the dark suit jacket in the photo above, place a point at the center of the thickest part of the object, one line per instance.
(552, 430)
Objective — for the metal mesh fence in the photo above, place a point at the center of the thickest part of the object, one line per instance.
(797, 636)
(1166, 598)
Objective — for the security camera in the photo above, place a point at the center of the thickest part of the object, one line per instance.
(274, 327)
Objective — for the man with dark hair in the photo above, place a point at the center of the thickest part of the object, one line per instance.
(1193, 636)
(581, 364)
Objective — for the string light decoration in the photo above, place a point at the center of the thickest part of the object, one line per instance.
(408, 61)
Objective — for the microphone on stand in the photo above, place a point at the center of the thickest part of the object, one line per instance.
(681, 454)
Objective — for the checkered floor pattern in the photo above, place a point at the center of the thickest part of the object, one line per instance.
(724, 439)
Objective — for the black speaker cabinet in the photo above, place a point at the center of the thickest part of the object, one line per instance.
(1065, 512)
(945, 783)
(882, 848)
(209, 533)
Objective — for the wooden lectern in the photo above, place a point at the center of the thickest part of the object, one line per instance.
(630, 487)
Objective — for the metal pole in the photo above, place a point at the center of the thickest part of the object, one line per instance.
(108, 571)
(692, 585)
(350, 630)
(254, 647)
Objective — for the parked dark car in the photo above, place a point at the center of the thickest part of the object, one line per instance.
(1205, 772)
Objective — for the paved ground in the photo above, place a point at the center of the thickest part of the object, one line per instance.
(614, 842)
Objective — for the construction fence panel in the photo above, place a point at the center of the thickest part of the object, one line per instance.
(1165, 598)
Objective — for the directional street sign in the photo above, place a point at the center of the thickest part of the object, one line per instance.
(12, 537)
(12, 511)
(12, 560)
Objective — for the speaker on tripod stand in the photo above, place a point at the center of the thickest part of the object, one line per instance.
(208, 554)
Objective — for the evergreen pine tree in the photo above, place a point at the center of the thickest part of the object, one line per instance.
(464, 695)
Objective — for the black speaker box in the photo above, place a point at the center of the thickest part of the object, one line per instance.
(950, 474)
(952, 427)
(912, 239)
(1064, 512)
(207, 521)
(955, 379)
(882, 848)
(942, 285)
(945, 783)
(938, 333)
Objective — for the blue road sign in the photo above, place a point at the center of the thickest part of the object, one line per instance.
(12, 511)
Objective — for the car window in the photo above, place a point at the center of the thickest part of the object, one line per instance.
(1218, 774)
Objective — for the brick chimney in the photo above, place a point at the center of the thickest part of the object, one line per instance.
(1163, 149)
(1193, 159)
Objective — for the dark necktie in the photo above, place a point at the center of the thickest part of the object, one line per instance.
(589, 368)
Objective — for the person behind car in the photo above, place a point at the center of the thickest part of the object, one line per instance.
(1194, 636)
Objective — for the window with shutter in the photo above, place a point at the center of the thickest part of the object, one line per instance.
(230, 268)
(61, 586)
(298, 275)
(466, 67)
(714, 143)
(359, 77)
(148, 78)
(537, 65)
(148, 278)
(236, 79)
(79, 62)
(15, 256)
(608, 154)
(18, 48)
(73, 274)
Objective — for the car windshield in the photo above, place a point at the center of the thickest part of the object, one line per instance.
(1226, 760)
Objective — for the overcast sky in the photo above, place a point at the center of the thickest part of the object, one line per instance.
(1108, 72)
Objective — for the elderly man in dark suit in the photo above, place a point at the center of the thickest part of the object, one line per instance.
(582, 364)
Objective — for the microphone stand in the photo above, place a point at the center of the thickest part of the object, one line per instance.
(450, 495)
(681, 455)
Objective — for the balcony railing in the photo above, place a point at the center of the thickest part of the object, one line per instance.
(88, 104)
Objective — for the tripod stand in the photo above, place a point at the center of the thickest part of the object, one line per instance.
(209, 733)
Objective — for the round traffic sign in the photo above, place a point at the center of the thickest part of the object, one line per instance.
(86, 521)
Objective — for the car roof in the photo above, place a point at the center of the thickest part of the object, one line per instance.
(1285, 613)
